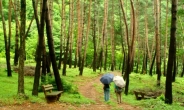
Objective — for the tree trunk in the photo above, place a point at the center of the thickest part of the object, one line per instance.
(166, 34)
(94, 38)
(66, 47)
(182, 73)
(16, 55)
(83, 39)
(40, 47)
(87, 34)
(6, 41)
(174, 66)
(62, 33)
(144, 63)
(52, 51)
(66, 55)
(112, 39)
(104, 35)
(50, 6)
(75, 61)
(79, 36)
(123, 46)
(45, 67)
(71, 33)
(130, 47)
(148, 53)
(9, 40)
(168, 86)
(152, 64)
(157, 36)
(126, 34)
(22, 48)
(105, 54)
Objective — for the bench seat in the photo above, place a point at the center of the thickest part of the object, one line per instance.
(50, 95)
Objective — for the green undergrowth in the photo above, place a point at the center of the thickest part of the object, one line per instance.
(9, 88)
(147, 83)
(71, 95)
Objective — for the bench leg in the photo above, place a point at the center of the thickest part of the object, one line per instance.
(58, 96)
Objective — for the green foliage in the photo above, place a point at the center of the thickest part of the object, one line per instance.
(157, 104)
(146, 82)
(71, 95)
(70, 88)
(31, 47)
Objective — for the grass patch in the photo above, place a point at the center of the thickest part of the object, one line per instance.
(139, 81)
(9, 88)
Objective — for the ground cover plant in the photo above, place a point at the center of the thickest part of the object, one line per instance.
(73, 83)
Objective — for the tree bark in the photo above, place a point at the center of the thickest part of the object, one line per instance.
(130, 47)
(22, 48)
(182, 73)
(16, 55)
(71, 33)
(152, 64)
(157, 36)
(87, 34)
(83, 38)
(94, 38)
(126, 35)
(168, 83)
(66, 47)
(104, 34)
(52, 51)
(166, 34)
(9, 39)
(40, 47)
(112, 39)
(62, 33)
(6, 40)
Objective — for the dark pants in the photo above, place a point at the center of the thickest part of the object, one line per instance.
(106, 94)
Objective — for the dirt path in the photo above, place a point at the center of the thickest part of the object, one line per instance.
(86, 88)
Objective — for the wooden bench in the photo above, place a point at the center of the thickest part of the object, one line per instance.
(50, 95)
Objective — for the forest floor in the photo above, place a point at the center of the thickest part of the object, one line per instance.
(87, 89)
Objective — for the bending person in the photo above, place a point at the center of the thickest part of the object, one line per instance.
(118, 92)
